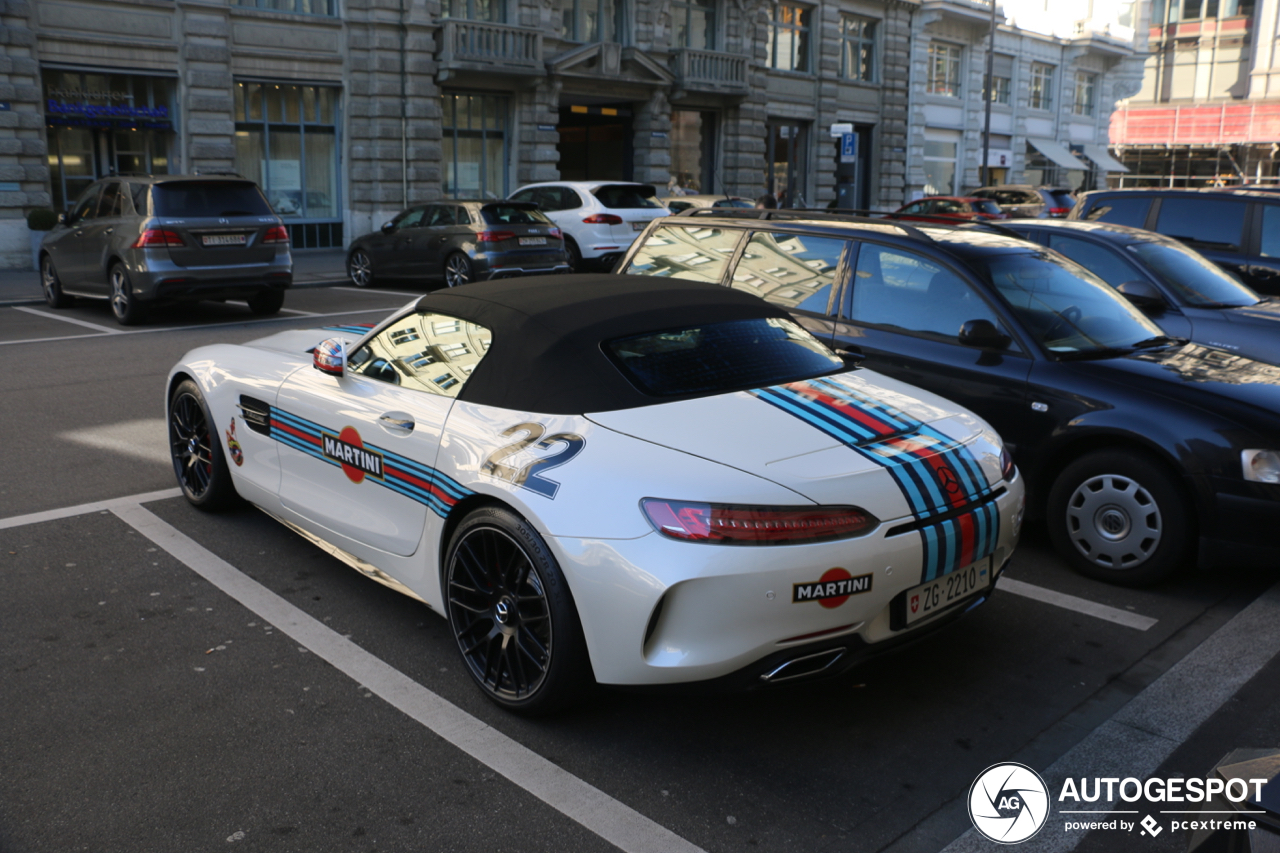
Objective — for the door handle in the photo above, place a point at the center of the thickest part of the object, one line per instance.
(108, 231)
(396, 422)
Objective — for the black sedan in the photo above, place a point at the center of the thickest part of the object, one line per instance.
(1186, 293)
(460, 242)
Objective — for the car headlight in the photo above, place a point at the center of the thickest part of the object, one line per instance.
(1261, 466)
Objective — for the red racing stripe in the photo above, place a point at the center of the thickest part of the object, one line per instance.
(275, 424)
(863, 417)
(449, 500)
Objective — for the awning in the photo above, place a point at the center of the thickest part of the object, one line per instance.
(1058, 153)
(1103, 158)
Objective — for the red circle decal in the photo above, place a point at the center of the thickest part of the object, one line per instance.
(350, 436)
(836, 574)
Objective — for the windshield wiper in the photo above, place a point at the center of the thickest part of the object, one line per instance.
(1159, 341)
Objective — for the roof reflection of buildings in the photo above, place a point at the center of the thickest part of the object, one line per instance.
(429, 352)
(774, 266)
(1206, 364)
(699, 254)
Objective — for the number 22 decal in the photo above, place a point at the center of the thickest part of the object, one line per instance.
(531, 476)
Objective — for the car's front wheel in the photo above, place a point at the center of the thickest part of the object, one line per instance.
(458, 270)
(360, 268)
(512, 614)
(575, 254)
(53, 285)
(196, 450)
(1120, 516)
(124, 304)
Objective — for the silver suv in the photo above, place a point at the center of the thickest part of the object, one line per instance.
(174, 238)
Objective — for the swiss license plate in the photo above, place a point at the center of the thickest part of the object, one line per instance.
(533, 241)
(638, 226)
(223, 239)
(927, 599)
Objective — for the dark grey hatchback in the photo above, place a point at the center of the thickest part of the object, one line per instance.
(460, 242)
(142, 240)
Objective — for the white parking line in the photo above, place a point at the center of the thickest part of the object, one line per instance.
(104, 329)
(85, 509)
(1079, 605)
(384, 292)
(612, 820)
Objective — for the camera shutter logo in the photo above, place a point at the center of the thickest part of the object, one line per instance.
(1008, 803)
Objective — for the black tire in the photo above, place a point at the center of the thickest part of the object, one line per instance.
(1120, 517)
(124, 304)
(575, 254)
(512, 614)
(264, 303)
(53, 285)
(458, 270)
(360, 268)
(195, 446)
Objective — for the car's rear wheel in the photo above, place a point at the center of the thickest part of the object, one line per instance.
(196, 450)
(512, 614)
(458, 270)
(1120, 517)
(360, 268)
(53, 285)
(575, 254)
(266, 302)
(124, 304)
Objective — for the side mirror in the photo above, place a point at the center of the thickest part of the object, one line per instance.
(330, 357)
(388, 227)
(983, 334)
(1144, 295)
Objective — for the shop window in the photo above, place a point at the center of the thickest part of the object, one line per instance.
(786, 159)
(1041, 86)
(944, 70)
(857, 48)
(693, 148)
(789, 34)
(939, 167)
(474, 145)
(299, 7)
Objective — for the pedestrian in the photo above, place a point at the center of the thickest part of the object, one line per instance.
(766, 202)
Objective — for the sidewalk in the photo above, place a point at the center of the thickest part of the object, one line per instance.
(311, 268)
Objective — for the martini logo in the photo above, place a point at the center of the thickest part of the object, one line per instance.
(832, 589)
(1008, 803)
(347, 449)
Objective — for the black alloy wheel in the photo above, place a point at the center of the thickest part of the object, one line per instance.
(575, 254)
(457, 270)
(512, 615)
(53, 285)
(196, 450)
(1120, 516)
(360, 268)
(124, 304)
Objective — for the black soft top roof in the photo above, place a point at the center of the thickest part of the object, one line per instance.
(547, 330)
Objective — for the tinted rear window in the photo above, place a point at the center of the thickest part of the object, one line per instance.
(627, 197)
(209, 198)
(1131, 211)
(718, 357)
(509, 214)
(986, 206)
(1062, 198)
(1203, 221)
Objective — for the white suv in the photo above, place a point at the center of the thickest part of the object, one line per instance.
(600, 219)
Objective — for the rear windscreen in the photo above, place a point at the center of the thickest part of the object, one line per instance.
(986, 206)
(627, 196)
(1062, 198)
(209, 198)
(510, 214)
(715, 357)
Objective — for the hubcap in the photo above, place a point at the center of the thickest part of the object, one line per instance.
(119, 295)
(1114, 521)
(47, 278)
(361, 269)
(458, 273)
(191, 445)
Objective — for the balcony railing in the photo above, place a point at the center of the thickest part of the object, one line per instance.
(710, 71)
(466, 43)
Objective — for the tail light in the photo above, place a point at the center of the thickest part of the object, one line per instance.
(732, 524)
(495, 236)
(555, 232)
(276, 234)
(1059, 211)
(158, 237)
(603, 219)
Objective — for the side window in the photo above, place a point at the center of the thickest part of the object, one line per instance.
(1104, 262)
(698, 254)
(905, 292)
(1203, 221)
(1270, 247)
(433, 353)
(1121, 211)
(86, 206)
(791, 270)
(139, 193)
(533, 196)
(916, 207)
(412, 219)
(110, 202)
(461, 216)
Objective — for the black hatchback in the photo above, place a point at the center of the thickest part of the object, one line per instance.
(1136, 446)
(460, 242)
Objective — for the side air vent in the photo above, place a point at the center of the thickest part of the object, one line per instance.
(256, 414)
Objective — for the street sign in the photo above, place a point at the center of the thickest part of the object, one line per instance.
(848, 147)
(841, 128)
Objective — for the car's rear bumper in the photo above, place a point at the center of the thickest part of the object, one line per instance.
(154, 277)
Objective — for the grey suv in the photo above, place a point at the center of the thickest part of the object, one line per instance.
(1023, 201)
(175, 238)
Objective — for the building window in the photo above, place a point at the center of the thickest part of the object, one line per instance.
(789, 37)
(944, 70)
(999, 87)
(301, 7)
(1084, 101)
(939, 167)
(474, 10)
(857, 48)
(694, 22)
(474, 145)
(587, 20)
(286, 141)
(1041, 86)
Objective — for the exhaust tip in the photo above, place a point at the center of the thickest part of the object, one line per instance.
(803, 666)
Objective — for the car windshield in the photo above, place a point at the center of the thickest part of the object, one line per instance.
(1197, 279)
(716, 357)
(511, 214)
(209, 198)
(1065, 307)
(627, 196)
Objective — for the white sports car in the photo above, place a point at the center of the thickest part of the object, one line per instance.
(610, 477)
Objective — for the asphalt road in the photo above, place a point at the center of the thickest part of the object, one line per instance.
(177, 680)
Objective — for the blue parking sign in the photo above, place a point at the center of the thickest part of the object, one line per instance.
(848, 146)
